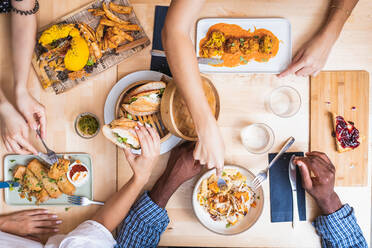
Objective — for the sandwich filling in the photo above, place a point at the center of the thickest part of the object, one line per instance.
(152, 96)
(126, 136)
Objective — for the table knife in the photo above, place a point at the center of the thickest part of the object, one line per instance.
(8, 184)
(204, 61)
(293, 180)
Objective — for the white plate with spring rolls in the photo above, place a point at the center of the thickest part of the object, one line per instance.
(41, 181)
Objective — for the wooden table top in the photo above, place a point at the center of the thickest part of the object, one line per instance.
(351, 52)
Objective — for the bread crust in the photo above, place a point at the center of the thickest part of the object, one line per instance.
(126, 124)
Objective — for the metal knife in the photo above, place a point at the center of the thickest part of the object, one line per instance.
(204, 61)
(293, 180)
(8, 184)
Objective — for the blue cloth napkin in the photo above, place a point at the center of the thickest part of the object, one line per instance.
(159, 63)
(281, 192)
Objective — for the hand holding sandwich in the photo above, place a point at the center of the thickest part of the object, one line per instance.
(143, 164)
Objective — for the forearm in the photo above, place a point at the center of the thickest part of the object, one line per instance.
(181, 57)
(339, 12)
(163, 190)
(23, 32)
(118, 206)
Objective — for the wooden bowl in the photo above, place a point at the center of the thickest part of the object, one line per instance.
(154, 119)
(175, 114)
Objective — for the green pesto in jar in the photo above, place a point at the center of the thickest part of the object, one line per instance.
(88, 125)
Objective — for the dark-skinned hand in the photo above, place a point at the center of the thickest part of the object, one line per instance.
(321, 185)
(180, 168)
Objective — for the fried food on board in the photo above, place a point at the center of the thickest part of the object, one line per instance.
(71, 51)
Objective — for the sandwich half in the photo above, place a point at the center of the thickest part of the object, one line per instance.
(121, 132)
(145, 99)
(347, 136)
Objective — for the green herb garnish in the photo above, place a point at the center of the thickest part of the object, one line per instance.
(52, 180)
(129, 117)
(162, 91)
(241, 40)
(90, 62)
(133, 99)
(16, 179)
(264, 60)
(122, 140)
(223, 173)
(228, 225)
(10, 170)
(256, 36)
(66, 209)
(232, 44)
(12, 160)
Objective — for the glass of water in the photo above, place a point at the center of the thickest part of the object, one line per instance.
(285, 101)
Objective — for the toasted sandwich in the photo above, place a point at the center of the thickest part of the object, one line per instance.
(144, 99)
(346, 134)
(121, 132)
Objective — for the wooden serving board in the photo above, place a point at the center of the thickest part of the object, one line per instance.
(345, 93)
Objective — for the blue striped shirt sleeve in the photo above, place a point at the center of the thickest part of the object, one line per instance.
(340, 229)
(143, 225)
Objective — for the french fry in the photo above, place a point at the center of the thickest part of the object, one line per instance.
(111, 45)
(111, 15)
(110, 23)
(120, 9)
(96, 50)
(97, 12)
(130, 27)
(115, 30)
(99, 32)
(88, 33)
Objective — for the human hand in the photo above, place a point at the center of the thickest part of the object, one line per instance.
(311, 57)
(29, 222)
(180, 168)
(14, 130)
(32, 111)
(210, 148)
(143, 164)
(320, 187)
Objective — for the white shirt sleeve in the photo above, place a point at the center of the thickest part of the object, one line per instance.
(88, 234)
(14, 241)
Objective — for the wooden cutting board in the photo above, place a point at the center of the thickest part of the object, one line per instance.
(346, 93)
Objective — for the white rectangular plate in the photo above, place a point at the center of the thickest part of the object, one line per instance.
(280, 27)
(12, 196)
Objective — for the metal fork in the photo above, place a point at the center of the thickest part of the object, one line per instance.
(52, 156)
(262, 176)
(82, 201)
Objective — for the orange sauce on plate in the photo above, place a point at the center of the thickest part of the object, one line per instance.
(239, 58)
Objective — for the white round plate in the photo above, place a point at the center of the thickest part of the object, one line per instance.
(112, 97)
(219, 227)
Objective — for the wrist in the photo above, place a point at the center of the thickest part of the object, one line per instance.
(139, 181)
(20, 91)
(330, 204)
(162, 191)
(3, 223)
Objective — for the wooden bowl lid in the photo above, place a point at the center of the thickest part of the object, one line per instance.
(175, 114)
